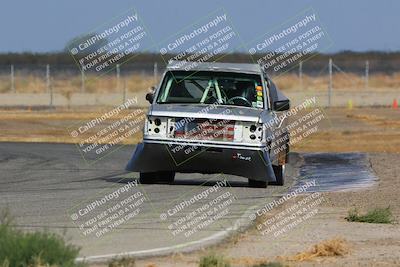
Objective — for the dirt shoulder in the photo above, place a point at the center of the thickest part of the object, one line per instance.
(368, 244)
(56, 126)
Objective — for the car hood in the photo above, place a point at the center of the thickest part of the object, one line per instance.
(209, 112)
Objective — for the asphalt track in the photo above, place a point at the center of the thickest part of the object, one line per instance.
(50, 186)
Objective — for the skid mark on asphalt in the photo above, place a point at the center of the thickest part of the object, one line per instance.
(336, 172)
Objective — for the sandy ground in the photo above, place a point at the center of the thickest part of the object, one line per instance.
(55, 126)
(368, 244)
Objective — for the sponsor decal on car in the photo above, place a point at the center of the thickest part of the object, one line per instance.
(241, 157)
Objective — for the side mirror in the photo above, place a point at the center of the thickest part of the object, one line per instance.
(150, 97)
(282, 105)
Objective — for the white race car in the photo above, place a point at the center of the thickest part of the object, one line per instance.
(214, 118)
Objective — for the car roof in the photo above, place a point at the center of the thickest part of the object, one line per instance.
(215, 66)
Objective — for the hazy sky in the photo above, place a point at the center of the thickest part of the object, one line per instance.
(46, 25)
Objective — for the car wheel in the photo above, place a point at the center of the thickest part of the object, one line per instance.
(258, 184)
(279, 174)
(156, 177)
(149, 177)
(167, 177)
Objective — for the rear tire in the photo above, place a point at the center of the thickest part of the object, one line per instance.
(279, 174)
(156, 177)
(257, 184)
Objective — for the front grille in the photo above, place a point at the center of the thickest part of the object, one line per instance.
(205, 129)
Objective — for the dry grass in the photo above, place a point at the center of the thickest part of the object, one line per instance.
(327, 248)
(376, 120)
(59, 115)
(54, 127)
(344, 135)
(340, 81)
(67, 85)
(350, 141)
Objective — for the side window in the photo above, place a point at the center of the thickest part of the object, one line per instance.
(194, 89)
(270, 91)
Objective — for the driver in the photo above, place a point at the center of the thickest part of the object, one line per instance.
(245, 89)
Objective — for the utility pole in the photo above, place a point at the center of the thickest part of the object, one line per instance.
(118, 76)
(366, 74)
(155, 72)
(330, 83)
(47, 78)
(51, 94)
(12, 79)
(82, 79)
(301, 74)
(124, 92)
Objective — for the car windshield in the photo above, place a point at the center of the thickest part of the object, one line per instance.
(223, 88)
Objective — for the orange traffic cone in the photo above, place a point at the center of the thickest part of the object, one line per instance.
(395, 105)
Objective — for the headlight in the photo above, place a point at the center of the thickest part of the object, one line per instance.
(156, 126)
(252, 132)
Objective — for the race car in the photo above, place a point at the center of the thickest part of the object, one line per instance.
(214, 118)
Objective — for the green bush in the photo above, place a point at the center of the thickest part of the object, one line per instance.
(213, 260)
(377, 215)
(20, 249)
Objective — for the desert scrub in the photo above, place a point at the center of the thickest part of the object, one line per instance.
(213, 260)
(121, 262)
(269, 264)
(377, 215)
(32, 249)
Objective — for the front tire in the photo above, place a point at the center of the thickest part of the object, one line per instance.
(156, 177)
(148, 177)
(257, 184)
(167, 177)
(279, 174)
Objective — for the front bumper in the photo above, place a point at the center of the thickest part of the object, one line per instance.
(252, 163)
